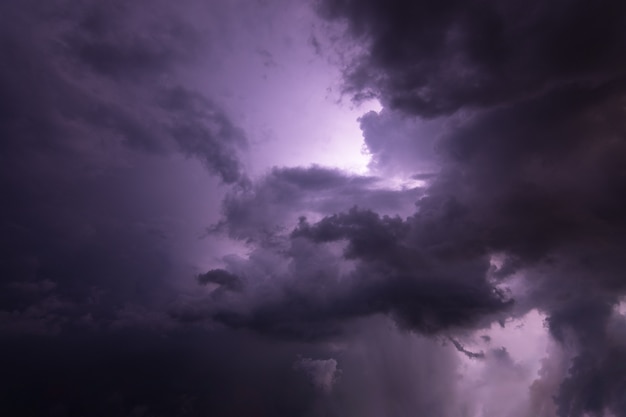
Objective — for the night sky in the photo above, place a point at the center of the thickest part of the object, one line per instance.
(329, 208)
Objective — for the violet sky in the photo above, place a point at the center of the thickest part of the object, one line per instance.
(359, 208)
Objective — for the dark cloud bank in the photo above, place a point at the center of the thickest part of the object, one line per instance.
(532, 96)
(510, 115)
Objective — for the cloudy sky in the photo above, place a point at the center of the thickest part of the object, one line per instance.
(355, 208)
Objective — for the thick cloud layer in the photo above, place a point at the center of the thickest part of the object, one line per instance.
(533, 156)
(495, 193)
(87, 76)
(89, 94)
(434, 59)
(95, 121)
(530, 151)
(274, 204)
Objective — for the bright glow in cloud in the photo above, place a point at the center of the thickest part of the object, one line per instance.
(525, 340)
(282, 90)
(499, 383)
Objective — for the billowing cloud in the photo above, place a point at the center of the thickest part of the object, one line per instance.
(273, 204)
(531, 97)
(92, 97)
(100, 76)
(345, 266)
(494, 200)
(436, 59)
(96, 118)
(529, 148)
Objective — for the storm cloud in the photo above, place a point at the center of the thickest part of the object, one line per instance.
(155, 261)
(529, 104)
(532, 155)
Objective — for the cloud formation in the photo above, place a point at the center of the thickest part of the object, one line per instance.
(103, 75)
(495, 192)
(528, 101)
(433, 60)
(531, 158)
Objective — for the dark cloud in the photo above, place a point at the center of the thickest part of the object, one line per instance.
(222, 278)
(469, 353)
(204, 131)
(91, 98)
(425, 284)
(530, 100)
(90, 77)
(425, 287)
(274, 203)
(432, 59)
(529, 145)
(430, 287)
(122, 42)
(93, 115)
(348, 288)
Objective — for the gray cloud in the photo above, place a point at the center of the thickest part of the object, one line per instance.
(274, 203)
(530, 157)
(92, 97)
(354, 265)
(102, 72)
(436, 59)
(531, 98)
(522, 159)
(400, 144)
(222, 278)
(94, 113)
